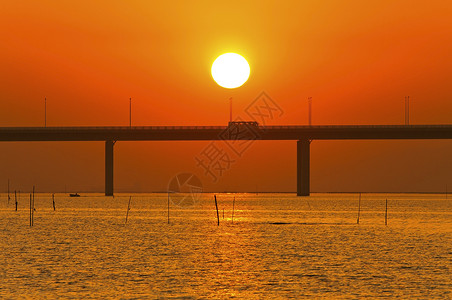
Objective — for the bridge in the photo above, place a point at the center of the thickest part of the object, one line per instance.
(242, 131)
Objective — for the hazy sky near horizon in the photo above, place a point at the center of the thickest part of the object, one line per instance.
(356, 59)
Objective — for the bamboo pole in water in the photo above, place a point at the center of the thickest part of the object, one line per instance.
(33, 208)
(8, 191)
(128, 208)
(53, 201)
(386, 212)
(15, 199)
(216, 206)
(233, 204)
(359, 208)
(30, 212)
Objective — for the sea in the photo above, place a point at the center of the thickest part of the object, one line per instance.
(255, 246)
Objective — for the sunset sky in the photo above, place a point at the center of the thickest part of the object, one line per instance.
(356, 59)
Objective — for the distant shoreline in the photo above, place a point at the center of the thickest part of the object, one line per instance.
(231, 192)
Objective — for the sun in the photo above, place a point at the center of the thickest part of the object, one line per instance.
(230, 70)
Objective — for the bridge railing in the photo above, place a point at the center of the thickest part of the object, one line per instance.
(272, 127)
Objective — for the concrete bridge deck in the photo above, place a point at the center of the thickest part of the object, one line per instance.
(191, 133)
(302, 134)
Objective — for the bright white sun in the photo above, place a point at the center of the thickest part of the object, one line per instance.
(230, 70)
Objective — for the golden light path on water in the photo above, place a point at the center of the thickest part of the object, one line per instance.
(280, 246)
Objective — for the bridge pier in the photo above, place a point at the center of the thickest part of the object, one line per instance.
(303, 168)
(109, 167)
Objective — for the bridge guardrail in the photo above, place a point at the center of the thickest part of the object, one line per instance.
(82, 128)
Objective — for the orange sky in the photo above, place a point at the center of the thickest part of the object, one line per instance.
(357, 59)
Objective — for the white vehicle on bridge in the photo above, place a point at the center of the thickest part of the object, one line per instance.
(243, 123)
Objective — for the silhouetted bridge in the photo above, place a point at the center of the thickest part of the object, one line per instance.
(302, 134)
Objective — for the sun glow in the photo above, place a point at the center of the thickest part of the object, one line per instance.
(230, 70)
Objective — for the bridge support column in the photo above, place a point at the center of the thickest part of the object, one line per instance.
(109, 167)
(303, 168)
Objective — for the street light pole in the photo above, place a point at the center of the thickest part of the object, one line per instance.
(407, 110)
(45, 111)
(230, 109)
(310, 110)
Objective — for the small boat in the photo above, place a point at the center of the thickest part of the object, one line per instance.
(74, 195)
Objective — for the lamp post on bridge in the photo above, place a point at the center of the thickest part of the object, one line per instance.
(407, 110)
(230, 109)
(310, 110)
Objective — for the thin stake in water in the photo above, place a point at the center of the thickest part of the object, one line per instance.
(33, 208)
(168, 207)
(359, 208)
(8, 192)
(233, 204)
(386, 212)
(216, 206)
(15, 198)
(31, 224)
(53, 201)
(128, 208)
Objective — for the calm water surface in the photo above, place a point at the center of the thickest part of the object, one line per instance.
(279, 246)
